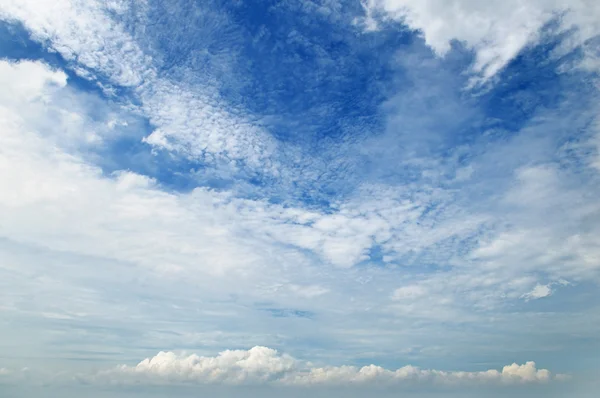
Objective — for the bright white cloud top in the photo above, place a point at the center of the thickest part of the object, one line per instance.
(262, 364)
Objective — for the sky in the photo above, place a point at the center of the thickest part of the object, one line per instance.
(334, 198)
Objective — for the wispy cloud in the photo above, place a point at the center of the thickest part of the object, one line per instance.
(496, 31)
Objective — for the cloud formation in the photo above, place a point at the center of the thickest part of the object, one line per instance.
(296, 182)
(262, 365)
(495, 30)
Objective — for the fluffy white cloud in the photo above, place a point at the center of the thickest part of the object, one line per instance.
(262, 364)
(28, 81)
(258, 364)
(496, 30)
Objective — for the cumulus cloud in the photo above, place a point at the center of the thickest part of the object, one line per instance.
(265, 365)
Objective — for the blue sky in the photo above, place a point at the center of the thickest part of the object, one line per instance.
(259, 198)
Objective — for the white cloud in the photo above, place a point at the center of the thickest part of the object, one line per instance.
(201, 245)
(409, 293)
(28, 81)
(215, 245)
(190, 120)
(262, 365)
(82, 31)
(547, 214)
(496, 30)
(526, 372)
(53, 196)
(54, 199)
(539, 291)
(259, 364)
(194, 122)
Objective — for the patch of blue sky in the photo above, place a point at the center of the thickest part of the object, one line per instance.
(280, 89)
(285, 71)
(533, 82)
(444, 116)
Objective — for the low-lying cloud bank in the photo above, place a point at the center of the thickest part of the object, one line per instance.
(261, 365)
